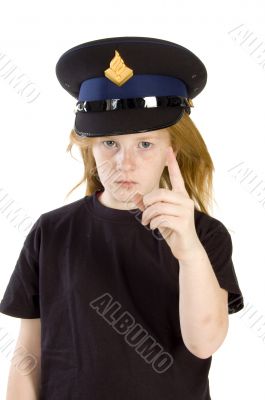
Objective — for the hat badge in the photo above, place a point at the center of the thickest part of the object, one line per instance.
(118, 72)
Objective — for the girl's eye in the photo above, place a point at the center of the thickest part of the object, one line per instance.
(107, 141)
(112, 141)
(148, 146)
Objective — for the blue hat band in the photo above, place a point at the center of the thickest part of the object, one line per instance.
(141, 85)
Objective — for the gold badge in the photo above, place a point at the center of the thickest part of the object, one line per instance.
(118, 72)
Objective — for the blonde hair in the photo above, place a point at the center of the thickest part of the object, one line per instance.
(193, 158)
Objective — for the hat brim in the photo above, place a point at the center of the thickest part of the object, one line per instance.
(120, 122)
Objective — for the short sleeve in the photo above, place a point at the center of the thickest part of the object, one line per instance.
(21, 296)
(218, 245)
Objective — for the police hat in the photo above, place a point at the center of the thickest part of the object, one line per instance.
(129, 84)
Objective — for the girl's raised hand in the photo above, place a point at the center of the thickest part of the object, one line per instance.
(172, 212)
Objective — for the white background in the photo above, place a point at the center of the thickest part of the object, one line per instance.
(36, 172)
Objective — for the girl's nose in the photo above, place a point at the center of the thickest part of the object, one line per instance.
(126, 157)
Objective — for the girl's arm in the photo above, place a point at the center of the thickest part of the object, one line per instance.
(24, 373)
(202, 305)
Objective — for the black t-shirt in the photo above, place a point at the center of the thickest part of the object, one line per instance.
(106, 289)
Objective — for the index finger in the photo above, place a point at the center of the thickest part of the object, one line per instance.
(175, 175)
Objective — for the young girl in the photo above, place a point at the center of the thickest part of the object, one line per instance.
(129, 287)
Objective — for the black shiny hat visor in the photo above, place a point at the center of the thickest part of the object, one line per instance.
(111, 118)
(147, 120)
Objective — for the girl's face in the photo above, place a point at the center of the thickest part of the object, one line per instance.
(138, 157)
